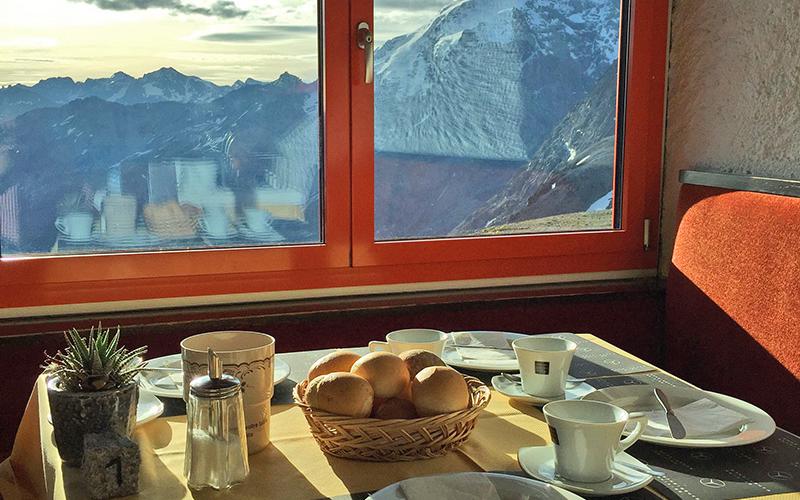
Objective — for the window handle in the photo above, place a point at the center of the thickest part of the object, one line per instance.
(365, 42)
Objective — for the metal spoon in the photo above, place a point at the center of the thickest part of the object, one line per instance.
(639, 468)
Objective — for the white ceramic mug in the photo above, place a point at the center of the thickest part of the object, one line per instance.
(544, 364)
(119, 215)
(248, 356)
(400, 341)
(197, 175)
(223, 200)
(257, 220)
(76, 225)
(586, 437)
(215, 222)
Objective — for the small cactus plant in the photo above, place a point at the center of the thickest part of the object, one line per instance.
(96, 363)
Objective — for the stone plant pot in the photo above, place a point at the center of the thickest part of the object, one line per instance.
(75, 414)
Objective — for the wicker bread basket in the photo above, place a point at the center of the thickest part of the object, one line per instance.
(171, 220)
(395, 440)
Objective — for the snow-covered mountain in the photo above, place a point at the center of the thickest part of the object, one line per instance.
(490, 78)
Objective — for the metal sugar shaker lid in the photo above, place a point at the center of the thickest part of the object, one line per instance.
(215, 385)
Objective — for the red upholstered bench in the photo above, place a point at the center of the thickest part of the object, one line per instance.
(733, 298)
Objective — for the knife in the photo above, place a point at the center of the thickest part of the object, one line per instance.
(675, 426)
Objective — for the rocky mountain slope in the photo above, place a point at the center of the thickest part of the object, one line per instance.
(572, 169)
(490, 78)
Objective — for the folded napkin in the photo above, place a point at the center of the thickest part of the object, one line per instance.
(483, 347)
(701, 418)
(443, 488)
(171, 381)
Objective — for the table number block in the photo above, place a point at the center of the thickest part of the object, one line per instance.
(110, 465)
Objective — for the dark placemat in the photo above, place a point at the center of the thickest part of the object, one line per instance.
(766, 468)
(594, 360)
(656, 379)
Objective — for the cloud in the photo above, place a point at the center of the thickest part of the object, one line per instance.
(33, 60)
(33, 42)
(261, 34)
(226, 9)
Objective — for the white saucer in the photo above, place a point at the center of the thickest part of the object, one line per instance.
(638, 397)
(270, 235)
(149, 407)
(170, 384)
(514, 390)
(141, 238)
(75, 241)
(539, 462)
(231, 233)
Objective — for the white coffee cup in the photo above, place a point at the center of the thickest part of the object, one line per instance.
(544, 364)
(119, 215)
(586, 437)
(248, 356)
(215, 222)
(76, 225)
(257, 219)
(400, 341)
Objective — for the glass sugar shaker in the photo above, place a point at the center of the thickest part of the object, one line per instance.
(216, 442)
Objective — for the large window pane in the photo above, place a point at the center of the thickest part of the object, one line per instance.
(494, 116)
(158, 125)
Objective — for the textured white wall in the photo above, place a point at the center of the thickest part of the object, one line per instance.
(734, 93)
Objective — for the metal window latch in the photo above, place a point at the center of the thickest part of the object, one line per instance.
(646, 235)
(365, 42)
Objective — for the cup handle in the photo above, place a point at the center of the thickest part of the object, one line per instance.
(60, 225)
(641, 423)
(377, 345)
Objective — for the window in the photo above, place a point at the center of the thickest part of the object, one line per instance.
(217, 147)
(132, 128)
(494, 117)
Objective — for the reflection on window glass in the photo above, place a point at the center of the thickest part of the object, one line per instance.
(131, 126)
(494, 116)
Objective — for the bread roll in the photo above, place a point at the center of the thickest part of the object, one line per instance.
(341, 393)
(385, 371)
(376, 403)
(417, 359)
(395, 408)
(406, 392)
(337, 361)
(439, 389)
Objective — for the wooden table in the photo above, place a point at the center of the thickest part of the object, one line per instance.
(292, 467)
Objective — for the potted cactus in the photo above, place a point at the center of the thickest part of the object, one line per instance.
(91, 388)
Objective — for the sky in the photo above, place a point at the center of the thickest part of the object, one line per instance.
(218, 40)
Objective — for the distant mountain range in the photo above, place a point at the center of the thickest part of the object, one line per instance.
(165, 84)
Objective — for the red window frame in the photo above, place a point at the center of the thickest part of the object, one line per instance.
(640, 175)
(349, 257)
